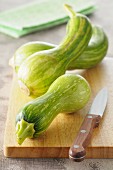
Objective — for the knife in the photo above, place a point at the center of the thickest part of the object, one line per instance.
(77, 151)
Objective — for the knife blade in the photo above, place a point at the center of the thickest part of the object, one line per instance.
(77, 151)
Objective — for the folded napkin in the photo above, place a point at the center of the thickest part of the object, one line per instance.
(40, 15)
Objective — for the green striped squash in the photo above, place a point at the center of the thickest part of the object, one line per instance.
(94, 53)
(38, 71)
(67, 94)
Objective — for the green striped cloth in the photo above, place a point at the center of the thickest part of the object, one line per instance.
(40, 15)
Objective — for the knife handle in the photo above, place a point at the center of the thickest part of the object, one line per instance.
(77, 151)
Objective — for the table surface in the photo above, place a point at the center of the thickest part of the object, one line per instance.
(104, 17)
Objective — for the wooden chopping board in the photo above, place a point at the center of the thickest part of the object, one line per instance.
(55, 142)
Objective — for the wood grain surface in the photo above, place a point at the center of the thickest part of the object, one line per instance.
(103, 16)
(55, 142)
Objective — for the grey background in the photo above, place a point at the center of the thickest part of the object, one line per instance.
(104, 17)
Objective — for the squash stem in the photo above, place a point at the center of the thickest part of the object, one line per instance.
(24, 88)
(11, 62)
(24, 130)
(70, 10)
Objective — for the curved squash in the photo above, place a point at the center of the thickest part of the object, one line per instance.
(39, 70)
(92, 55)
(67, 94)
